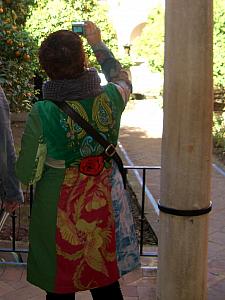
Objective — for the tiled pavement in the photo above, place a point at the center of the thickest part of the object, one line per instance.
(138, 285)
(140, 136)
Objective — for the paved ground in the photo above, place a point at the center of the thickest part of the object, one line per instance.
(141, 138)
(138, 285)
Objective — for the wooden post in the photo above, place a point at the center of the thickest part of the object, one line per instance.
(186, 150)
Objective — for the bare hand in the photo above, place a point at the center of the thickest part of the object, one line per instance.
(92, 33)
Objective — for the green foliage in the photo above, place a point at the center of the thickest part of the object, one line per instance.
(126, 61)
(17, 54)
(219, 130)
(219, 43)
(16, 11)
(23, 26)
(48, 16)
(51, 15)
(150, 45)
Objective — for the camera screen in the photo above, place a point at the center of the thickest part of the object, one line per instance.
(78, 27)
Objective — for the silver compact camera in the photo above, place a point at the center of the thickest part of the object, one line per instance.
(78, 27)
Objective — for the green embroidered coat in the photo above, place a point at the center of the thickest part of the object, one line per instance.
(82, 234)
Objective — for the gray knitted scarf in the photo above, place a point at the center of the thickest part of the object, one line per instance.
(86, 85)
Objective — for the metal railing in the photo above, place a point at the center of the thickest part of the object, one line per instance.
(17, 252)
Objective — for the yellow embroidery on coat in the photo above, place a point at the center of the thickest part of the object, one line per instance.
(77, 282)
(102, 113)
(92, 239)
(95, 204)
(67, 229)
(79, 108)
(68, 256)
(71, 177)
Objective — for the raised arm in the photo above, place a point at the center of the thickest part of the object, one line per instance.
(111, 68)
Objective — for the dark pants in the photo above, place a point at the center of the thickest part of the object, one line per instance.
(109, 292)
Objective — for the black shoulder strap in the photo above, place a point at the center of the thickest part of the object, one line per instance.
(110, 150)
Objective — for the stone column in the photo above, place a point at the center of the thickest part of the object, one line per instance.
(186, 150)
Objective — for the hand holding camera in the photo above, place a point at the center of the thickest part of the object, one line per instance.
(89, 30)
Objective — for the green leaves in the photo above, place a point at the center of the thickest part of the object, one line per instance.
(150, 45)
(23, 26)
(219, 130)
(18, 55)
(219, 43)
(49, 16)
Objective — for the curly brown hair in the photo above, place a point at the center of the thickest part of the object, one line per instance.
(61, 55)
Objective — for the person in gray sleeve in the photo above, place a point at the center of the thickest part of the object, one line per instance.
(10, 191)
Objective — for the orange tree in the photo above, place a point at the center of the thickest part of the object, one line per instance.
(51, 15)
(18, 54)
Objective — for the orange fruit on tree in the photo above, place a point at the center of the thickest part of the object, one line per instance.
(9, 42)
(17, 53)
(1, 10)
(26, 57)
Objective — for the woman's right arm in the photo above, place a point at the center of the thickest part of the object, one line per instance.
(111, 68)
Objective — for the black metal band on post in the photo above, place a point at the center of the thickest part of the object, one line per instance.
(185, 213)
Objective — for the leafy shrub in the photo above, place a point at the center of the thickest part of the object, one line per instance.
(219, 130)
(18, 54)
(219, 44)
(51, 15)
(23, 26)
(150, 45)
